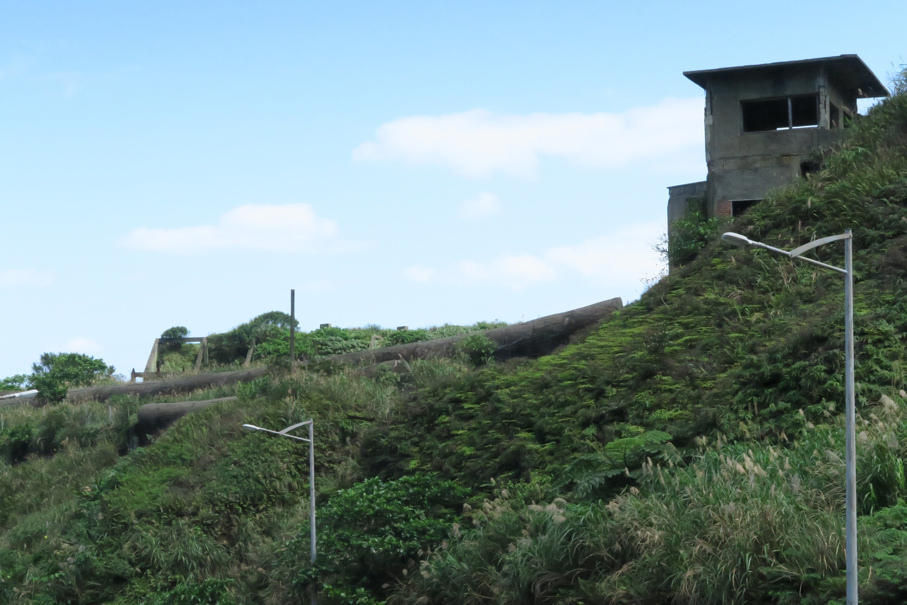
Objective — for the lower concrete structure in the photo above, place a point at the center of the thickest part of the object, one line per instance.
(685, 198)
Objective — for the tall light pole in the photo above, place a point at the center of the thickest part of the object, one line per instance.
(849, 406)
(311, 442)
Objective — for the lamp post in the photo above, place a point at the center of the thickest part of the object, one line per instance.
(850, 514)
(311, 442)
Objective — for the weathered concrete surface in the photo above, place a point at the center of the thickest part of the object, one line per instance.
(181, 384)
(681, 196)
(745, 165)
(529, 339)
(156, 416)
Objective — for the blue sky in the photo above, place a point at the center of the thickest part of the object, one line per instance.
(397, 163)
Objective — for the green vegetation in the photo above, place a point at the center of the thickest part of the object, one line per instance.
(690, 234)
(13, 383)
(690, 450)
(270, 334)
(55, 373)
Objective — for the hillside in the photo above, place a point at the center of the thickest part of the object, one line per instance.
(689, 450)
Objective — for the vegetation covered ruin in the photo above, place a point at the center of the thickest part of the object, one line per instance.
(688, 450)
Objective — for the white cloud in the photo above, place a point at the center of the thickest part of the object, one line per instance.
(478, 143)
(627, 254)
(483, 206)
(264, 227)
(26, 278)
(619, 260)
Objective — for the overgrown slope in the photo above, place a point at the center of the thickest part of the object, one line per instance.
(688, 451)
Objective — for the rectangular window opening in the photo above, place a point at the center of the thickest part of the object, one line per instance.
(759, 116)
(808, 167)
(738, 207)
(763, 115)
(804, 111)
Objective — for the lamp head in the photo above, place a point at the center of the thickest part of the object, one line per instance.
(250, 427)
(735, 239)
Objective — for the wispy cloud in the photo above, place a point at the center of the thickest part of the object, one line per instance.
(620, 260)
(626, 255)
(478, 143)
(26, 278)
(483, 206)
(264, 227)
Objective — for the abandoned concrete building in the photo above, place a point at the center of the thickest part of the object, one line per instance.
(762, 122)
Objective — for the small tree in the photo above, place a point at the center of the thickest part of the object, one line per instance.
(13, 383)
(56, 373)
(174, 332)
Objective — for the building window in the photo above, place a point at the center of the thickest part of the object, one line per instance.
(738, 207)
(808, 167)
(801, 111)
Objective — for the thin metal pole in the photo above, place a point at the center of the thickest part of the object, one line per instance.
(292, 327)
(312, 487)
(850, 421)
(850, 512)
(314, 595)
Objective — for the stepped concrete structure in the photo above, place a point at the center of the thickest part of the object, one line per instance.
(764, 122)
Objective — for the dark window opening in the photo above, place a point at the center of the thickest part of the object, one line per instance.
(834, 116)
(764, 115)
(780, 114)
(738, 207)
(804, 111)
(808, 167)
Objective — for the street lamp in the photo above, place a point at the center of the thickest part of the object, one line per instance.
(311, 442)
(850, 514)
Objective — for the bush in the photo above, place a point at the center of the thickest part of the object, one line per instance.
(13, 383)
(404, 337)
(373, 531)
(688, 235)
(479, 349)
(55, 373)
(232, 346)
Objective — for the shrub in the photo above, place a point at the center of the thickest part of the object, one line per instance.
(55, 373)
(688, 235)
(13, 383)
(479, 349)
(403, 337)
(373, 531)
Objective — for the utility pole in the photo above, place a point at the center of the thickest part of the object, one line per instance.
(292, 327)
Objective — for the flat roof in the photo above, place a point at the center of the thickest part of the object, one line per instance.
(849, 70)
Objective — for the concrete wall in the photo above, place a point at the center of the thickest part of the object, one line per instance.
(746, 165)
(680, 196)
